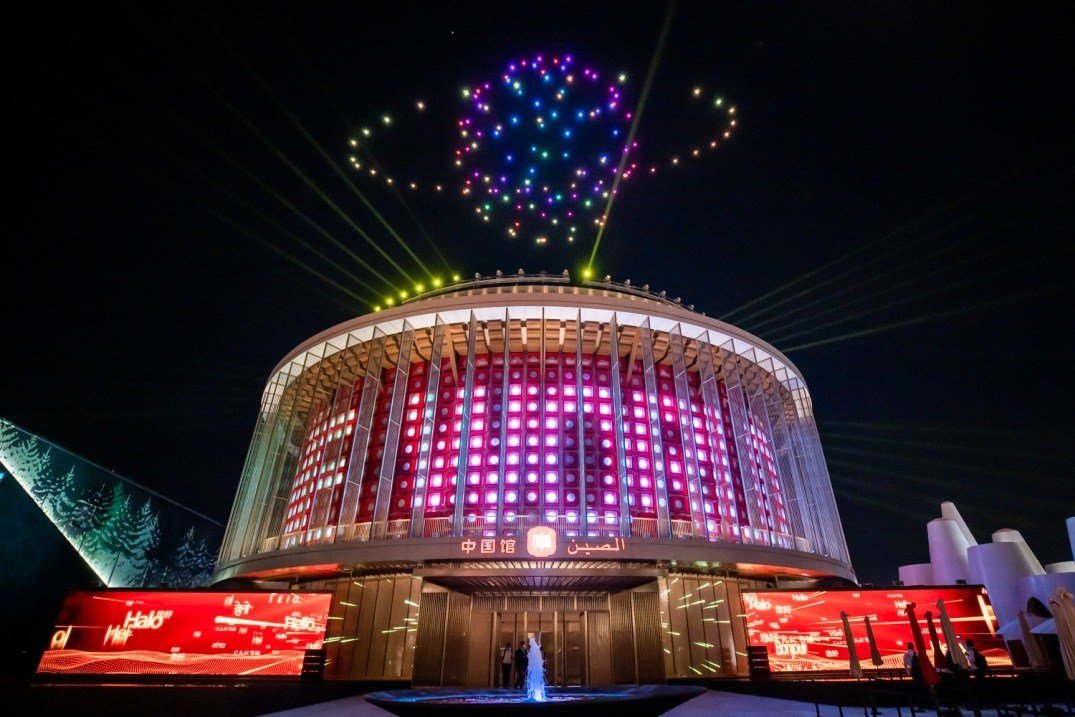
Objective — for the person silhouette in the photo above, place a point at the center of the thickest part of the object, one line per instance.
(506, 659)
(911, 663)
(976, 660)
(521, 663)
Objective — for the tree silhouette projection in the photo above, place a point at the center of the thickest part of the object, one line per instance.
(130, 537)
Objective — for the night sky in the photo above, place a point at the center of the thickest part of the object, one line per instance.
(899, 190)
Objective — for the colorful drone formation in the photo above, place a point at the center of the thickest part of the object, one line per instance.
(540, 147)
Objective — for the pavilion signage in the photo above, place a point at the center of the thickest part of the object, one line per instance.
(540, 542)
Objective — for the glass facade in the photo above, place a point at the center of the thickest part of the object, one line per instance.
(592, 420)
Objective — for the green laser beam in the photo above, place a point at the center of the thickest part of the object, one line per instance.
(929, 317)
(906, 479)
(654, 62)
(914, 459)
(371, 159)
(264, 186)
(896, 250)
(898, 486)
(929, 258)
(937, 428)
(279, 227)
(939, 288)
(321, 291)
(951, 446)
(333, 163)
(298, 262)
(258, 239)
(317, 190)
(248, 123)
(201, 137)
(987, 186)
(940, 269)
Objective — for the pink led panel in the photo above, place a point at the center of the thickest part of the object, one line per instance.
(638, 448)
(323, 460)
(599, 444)
(524, 430)
(375, 451)
(444, 451)
(410, 434)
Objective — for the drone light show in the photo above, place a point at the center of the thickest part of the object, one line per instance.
(538, 150)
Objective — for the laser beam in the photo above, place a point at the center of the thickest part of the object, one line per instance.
(654, 62)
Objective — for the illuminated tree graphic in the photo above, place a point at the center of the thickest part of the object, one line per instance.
(185, 560)
(144, 529)
(90, 513)
(126, 536)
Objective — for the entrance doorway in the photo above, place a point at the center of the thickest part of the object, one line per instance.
(587, 639)
(574, 643)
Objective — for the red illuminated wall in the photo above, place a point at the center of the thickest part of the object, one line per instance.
(525, 416)
(802, 630)
(323, 461)
(186, 633)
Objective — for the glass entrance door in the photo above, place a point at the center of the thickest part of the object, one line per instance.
(573, 652)
(561, 634)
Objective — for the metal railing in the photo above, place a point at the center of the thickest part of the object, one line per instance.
(683, 529)
(441, 527)
(353, 531)
(643, 527)
(392, 529)
(437, 527)
(270, 544)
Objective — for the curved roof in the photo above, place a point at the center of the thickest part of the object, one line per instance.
(536, 297)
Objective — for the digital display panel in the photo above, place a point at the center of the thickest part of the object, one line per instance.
(802, 630)
(127, 632)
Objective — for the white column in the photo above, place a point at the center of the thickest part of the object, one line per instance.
(1000, 567)
(684, 418)
(356, 462)
(916, 574)
(649, 371)
(464, 432)
(1071, 534)
(429, 414)
(950, 512)
(616, 388)
(1007, 535)
(502, 416)
(947, 551)
(386, 476)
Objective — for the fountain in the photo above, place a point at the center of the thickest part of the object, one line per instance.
(639, 700)
(635, 700)
(535, 671)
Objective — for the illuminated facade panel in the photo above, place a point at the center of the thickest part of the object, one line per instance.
(593, 464)
(488, 412)
(522, 459)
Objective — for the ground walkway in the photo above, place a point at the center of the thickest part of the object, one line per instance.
(706, 705)
(709, 704)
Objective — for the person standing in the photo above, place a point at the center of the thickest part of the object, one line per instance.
(976, 660)
(911, 664)
(908, 658)
(506, 657)
(521, 663)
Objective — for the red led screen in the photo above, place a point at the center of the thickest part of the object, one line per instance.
(802, 630)
(147, 632)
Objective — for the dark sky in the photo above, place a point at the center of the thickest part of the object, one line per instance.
(901, 173)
